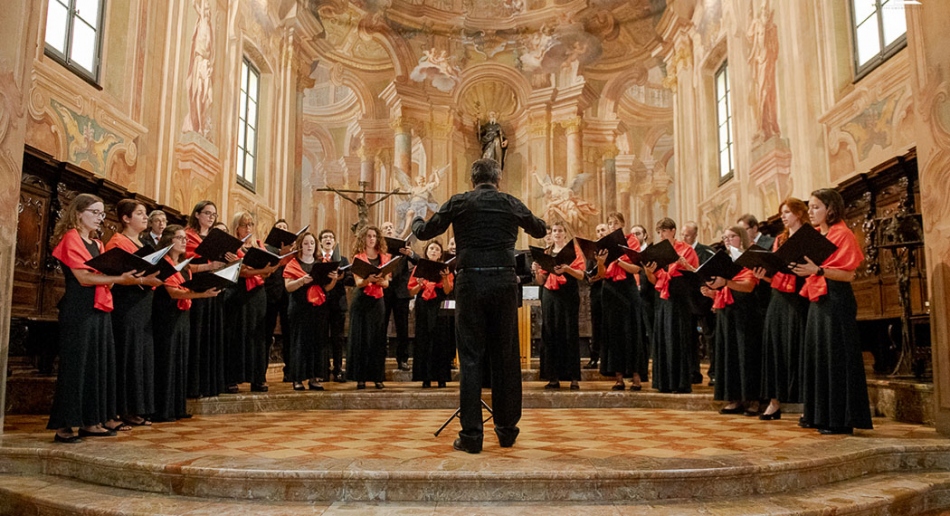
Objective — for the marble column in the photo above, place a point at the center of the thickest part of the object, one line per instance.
(402, 146)
(17, 41)
(575, 151)
(610, 181)
(929, 44)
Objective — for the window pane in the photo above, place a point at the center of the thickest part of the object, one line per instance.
(723, 136)
(244, 76)
(252, 113)
(241, 129)
(56, 26)
(895, 22)
(242, 107)
(252, 85)
(720, 85)
(863, 9)
(239, 169)
(721, 113)
(732, 157)
(88, 10)
(82, 48)
(869, 42)
(249, 169)
(723, 163)
(251, 144)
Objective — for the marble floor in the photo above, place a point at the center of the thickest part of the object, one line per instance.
(623, 459)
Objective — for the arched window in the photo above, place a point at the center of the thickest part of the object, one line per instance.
(248, 103)
(73, 35)
(879, 30)
(724, 123)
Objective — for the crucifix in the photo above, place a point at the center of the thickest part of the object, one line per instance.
(361, 205)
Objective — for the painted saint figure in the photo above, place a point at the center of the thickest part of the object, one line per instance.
(762, 39)
(200, 90)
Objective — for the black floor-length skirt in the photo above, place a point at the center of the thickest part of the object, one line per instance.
(306, 336)
(738, 342)
(366, 352)
(206, 347)
(672, 343)
(834, 387)
(134, 350)
(246, 342)
(432, 348)
(620, 346)
(783, 347)
(172, 334)
(85, 386)
(560, 350)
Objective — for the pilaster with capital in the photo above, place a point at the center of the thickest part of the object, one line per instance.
(575, 147)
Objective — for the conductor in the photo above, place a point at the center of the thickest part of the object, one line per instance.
(486, 224)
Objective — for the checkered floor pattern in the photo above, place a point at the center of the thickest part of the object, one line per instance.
(549, 434)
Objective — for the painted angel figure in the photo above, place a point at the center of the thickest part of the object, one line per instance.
(564, 203)
(420, 200)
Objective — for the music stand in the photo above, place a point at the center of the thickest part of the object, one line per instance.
(456, 414)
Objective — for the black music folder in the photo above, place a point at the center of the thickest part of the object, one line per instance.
(365, 269)
(393, 245)
(280, 237)
(611, 242)
(217, 244)
(662, 253)
(219, 279)
(430, 270)
(720, 265)
(167, 270)
(807, 241)
(320, 270)
(756, 256)
(257, 258)
(118, 261)
(548, 262)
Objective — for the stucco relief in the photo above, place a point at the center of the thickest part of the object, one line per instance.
(11, 116)
(719, 212)
(440, 69)
(87, 143)
(934, 110)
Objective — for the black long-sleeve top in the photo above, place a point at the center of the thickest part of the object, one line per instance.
(486, 224)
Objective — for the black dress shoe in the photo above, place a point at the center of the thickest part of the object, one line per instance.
(461, 446)
(299, 386)
(441, 385)
(404, 366)
(86, 433)
(636, 387)
(575, 386)
(379, 385)
(738, 409)
(314, 386)
(184, 416)
(843, 430)
(338, 378)
(712, 382)
(426, 385)
(360, 386)
(804, 424)
(69, 439)
(774, 415)
(591, 365)
(259, 388)
(553, 385)
(618, 387)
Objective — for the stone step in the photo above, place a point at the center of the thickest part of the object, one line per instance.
(754, 477)
(892, 493)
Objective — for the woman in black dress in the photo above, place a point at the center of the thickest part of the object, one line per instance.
(595, 283)
(307, 317)
(366, 356)
(432, 353)
(673, 327)
(621, 346)
(85, 385)
(132, 324)
(171, 322)
(784, 334)
(560, 304)
(834, 387)
(738, 337)
(206, 345)
(248, 346)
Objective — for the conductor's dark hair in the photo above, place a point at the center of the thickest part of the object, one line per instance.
(833, 201)
(486, 170)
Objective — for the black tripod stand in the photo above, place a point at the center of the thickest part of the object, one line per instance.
(456, 414)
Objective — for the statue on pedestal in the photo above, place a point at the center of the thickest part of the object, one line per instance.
(492, 139)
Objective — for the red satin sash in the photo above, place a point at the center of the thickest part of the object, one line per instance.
(373, 290)
(315, 294)
(847, 258)
(724, 295)
(72, 252)
(663, 276)
(175, 281)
